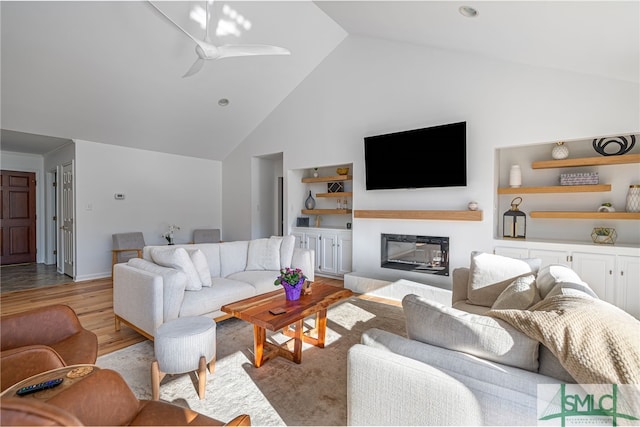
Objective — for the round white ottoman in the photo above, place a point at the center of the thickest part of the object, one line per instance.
(183, 345)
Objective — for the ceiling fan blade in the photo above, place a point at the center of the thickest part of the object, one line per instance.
(206, 22)
(197, 66)
(228, 51)
(170, 20)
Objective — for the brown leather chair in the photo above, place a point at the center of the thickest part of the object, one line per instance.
(103, 398)
(19, 412)
(42, 339)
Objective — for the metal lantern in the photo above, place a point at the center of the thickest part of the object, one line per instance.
(514, 221)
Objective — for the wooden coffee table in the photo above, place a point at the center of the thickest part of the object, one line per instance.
(256, 310)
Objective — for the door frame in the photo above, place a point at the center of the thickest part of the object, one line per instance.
(51, 212)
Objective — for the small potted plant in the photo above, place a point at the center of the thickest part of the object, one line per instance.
(292, 280)
(604, 235)
(606, 207)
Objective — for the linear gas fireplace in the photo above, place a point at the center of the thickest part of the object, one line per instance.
(420, 254)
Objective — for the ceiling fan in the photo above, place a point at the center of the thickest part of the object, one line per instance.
(206, 50)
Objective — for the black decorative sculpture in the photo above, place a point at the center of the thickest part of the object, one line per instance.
(601, 144)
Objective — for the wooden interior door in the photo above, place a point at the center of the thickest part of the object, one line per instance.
(18, 220)
(68, 209)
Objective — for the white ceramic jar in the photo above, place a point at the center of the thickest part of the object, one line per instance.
(515, 176)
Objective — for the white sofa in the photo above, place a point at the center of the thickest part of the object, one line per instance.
(462, 365)
(198, 279)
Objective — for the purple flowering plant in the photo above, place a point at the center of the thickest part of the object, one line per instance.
(290, 276)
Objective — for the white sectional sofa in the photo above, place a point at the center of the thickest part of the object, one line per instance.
(198, 279)
(461, 364)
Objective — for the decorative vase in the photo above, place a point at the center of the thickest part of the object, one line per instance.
(473, 206)
(515, 176)
(560, 151)
(310, 203)
(292, 292)
(633, 198)
(315, 172)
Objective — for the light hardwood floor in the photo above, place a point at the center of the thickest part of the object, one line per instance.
(92, 301)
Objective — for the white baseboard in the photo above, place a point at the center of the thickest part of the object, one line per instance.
(84, 277)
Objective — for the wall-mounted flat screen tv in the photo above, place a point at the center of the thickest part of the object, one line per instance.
(429, 157)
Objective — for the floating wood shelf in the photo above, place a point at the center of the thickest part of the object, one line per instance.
(340, 194)
(587, 161)
(585, 215)
(556, 189)
(328, 178)
(326, 211)
(428, 215)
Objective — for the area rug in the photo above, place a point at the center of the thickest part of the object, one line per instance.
(278, 393)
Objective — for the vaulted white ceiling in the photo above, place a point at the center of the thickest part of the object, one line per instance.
(111, 72)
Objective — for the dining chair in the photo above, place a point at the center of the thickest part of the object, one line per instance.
(209, 235)
(126, 246)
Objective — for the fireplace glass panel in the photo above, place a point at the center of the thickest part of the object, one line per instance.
(423, 254)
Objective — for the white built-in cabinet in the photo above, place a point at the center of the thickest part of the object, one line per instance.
(628, 275)
(333, 248)
(612, 272)
(598, 271)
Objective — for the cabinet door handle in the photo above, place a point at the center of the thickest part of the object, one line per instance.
(610, 272)
(622, 273)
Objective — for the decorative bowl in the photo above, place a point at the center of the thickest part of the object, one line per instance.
(342, 171)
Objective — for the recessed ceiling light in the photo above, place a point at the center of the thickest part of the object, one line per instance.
(468, 11)
(223, 102)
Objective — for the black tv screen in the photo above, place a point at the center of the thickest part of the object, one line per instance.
(428, 157)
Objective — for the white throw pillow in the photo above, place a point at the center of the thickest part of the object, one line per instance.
(580, 289)
(552, 274)
(286, 250)
(179, 259)
(201, 265)
(521, 294)
(264, 254)
(233, 257)
(490, 274)
(482, 336)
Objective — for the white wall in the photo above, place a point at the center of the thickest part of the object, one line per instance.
(371, 86)
(31, 163)
(160, 189)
